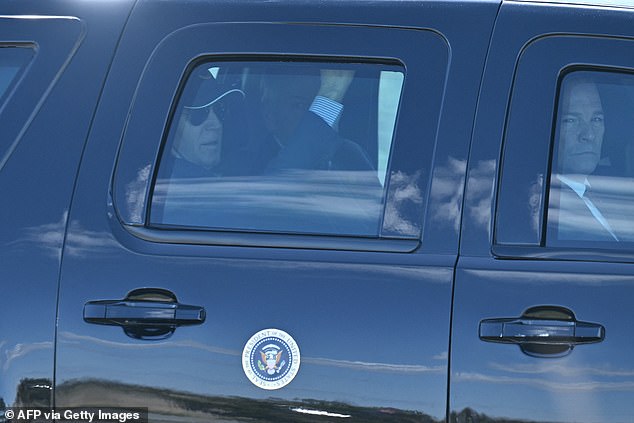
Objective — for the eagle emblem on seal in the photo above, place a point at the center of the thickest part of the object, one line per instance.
(271, 361)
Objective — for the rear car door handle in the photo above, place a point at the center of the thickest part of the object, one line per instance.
(543, 331)
(146, 313)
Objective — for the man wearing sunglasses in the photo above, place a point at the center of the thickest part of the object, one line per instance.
(198, 137)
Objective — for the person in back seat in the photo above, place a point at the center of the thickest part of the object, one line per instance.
(200, 128)
(299, 113)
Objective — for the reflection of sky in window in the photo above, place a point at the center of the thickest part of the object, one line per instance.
(12, 59)
(299, 201)
(7, 73)
(389, 95)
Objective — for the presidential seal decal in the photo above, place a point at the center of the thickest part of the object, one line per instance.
(271, 359)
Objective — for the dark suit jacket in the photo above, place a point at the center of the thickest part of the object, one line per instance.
(315, 146)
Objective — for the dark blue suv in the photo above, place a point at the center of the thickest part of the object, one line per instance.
(321, 211)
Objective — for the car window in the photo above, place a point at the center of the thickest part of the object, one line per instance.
(285, 147)
(591, 189)
(12, 61)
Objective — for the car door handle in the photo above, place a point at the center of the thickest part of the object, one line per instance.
(542, 331)
(146, 313)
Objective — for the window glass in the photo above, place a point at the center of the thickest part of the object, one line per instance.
(291, 147)
(12, 60)
(591, 191)
(389, 93)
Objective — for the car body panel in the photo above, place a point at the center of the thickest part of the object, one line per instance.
(514, 272)
(47, 113)
(390, 328)
(358, 357)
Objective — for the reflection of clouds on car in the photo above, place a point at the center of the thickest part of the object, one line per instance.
(297, 200)
(447, 191)
(404, 192)
(380, 367)
(135, 194)
(376, 367)
(49, 236)
(558, 384)
(79, 242)
(20, 350)
(480, 188)
(563, 370)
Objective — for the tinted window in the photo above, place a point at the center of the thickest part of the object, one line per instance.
(279, 147)
(591, 190)
(12, 60)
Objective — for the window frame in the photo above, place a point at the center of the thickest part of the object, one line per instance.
(544, 63)
(168, 67)
(28, 91)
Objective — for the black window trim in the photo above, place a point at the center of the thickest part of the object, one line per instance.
(130, 214)
(166, 235)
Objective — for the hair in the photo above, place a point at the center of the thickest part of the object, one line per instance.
(575, 79)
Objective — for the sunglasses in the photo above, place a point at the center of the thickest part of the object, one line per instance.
(198, 116)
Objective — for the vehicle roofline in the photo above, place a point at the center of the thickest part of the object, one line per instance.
(619, 4)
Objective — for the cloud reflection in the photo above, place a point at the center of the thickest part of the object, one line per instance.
(562, 370)
(340, 202)
(89, 342)
(21, 350)
(135, 195)
(72, 340)
(49, 237)
(447, 191)
(405, 195)
(375, 367)
(442, 356)
(481, 185)
(551, 385)
(79, 241)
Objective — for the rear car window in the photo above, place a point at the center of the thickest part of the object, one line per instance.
(284, 147)
(13, 60)
(591, 189)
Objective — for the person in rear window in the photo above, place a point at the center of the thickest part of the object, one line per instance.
(581, 213)
(198, 138)
(298, 118)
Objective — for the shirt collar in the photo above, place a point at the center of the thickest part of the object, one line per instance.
(578, 187)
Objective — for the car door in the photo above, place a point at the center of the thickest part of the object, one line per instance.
(290, 293)
(542, 320)
(45, 112)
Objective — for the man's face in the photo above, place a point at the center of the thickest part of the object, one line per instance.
(581, 129)
(285, 101)
(199, 142)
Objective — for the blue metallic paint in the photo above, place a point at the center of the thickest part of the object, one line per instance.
(592, 383)
(359, 356)
(372, 317)
(37, 181)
